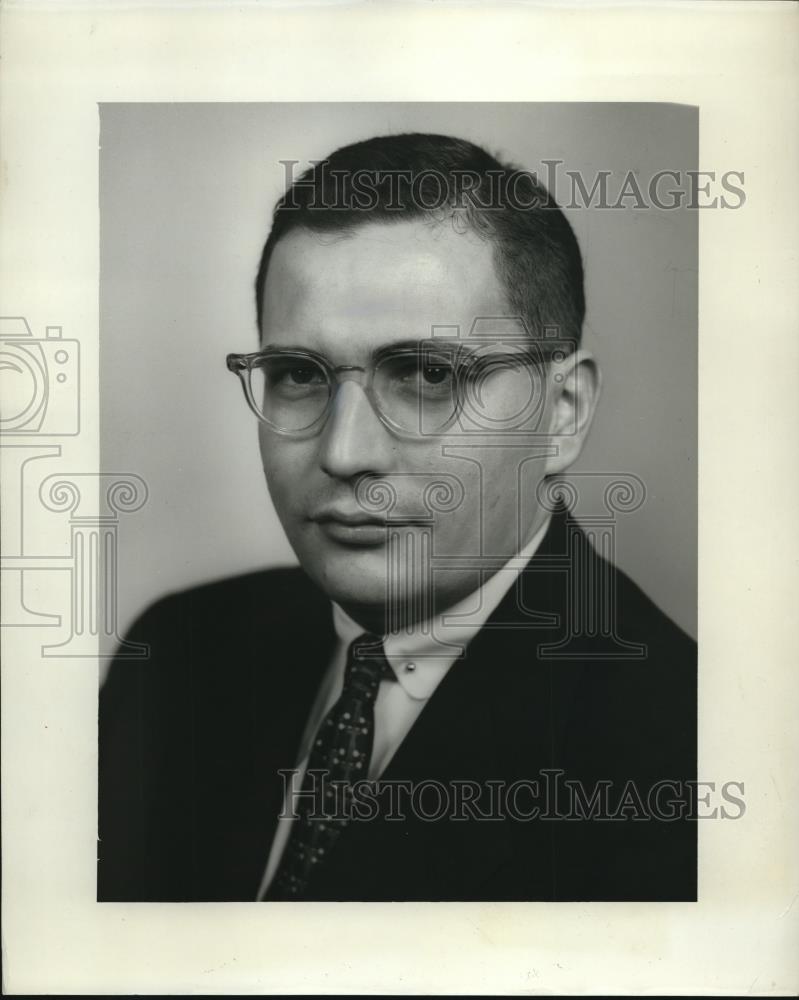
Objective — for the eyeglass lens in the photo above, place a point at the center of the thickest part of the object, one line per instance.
(418, 392)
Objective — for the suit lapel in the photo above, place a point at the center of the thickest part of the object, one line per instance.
(278, 676)
(491, 719)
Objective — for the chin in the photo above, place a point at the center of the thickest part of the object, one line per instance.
(350, 578)
(357, 578)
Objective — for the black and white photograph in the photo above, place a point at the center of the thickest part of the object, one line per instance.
(397, 414)
(466, 371)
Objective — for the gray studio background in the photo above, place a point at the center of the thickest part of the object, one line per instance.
(186, 192)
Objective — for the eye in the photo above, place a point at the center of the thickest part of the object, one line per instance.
(303, 374)
(293, 371)
(416, 376)
(436, 374)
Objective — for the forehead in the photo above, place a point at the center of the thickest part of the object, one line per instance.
(382, 282)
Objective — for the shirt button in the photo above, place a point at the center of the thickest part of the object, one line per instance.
(410, 667)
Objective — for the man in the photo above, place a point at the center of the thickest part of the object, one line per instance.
(454, 697)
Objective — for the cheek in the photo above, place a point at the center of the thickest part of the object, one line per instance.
(499, 500)
(500, 489)
(285, 468)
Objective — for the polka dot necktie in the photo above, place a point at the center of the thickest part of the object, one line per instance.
(339, 756)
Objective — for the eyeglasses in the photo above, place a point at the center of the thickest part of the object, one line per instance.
(415, 391)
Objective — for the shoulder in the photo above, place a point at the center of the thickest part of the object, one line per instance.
(623, 673)
(266, 595)
(640, 616)
(641, 704)
(592, 598)
(218, 630)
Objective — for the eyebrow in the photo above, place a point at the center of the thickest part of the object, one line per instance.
(394, 345)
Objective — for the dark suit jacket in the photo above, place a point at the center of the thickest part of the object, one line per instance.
(192, 738)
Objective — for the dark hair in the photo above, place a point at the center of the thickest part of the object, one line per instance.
(418, 176)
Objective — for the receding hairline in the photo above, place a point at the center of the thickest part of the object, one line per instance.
(536, 256)
(347, 231)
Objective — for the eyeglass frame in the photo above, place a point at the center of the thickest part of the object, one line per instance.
(463, 360)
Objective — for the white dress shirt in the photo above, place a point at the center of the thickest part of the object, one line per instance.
(419, 662)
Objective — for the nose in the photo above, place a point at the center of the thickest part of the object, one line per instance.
(354, 441)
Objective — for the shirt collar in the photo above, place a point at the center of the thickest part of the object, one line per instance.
(416, 657)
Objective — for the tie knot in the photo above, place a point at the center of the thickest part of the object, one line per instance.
(367, 664)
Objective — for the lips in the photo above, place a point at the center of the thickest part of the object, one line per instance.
(356, 528)
(352, 528)
(350, 518)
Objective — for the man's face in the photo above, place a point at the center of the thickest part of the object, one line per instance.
(345, 297)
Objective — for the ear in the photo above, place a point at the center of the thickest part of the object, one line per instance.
(575, 386)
